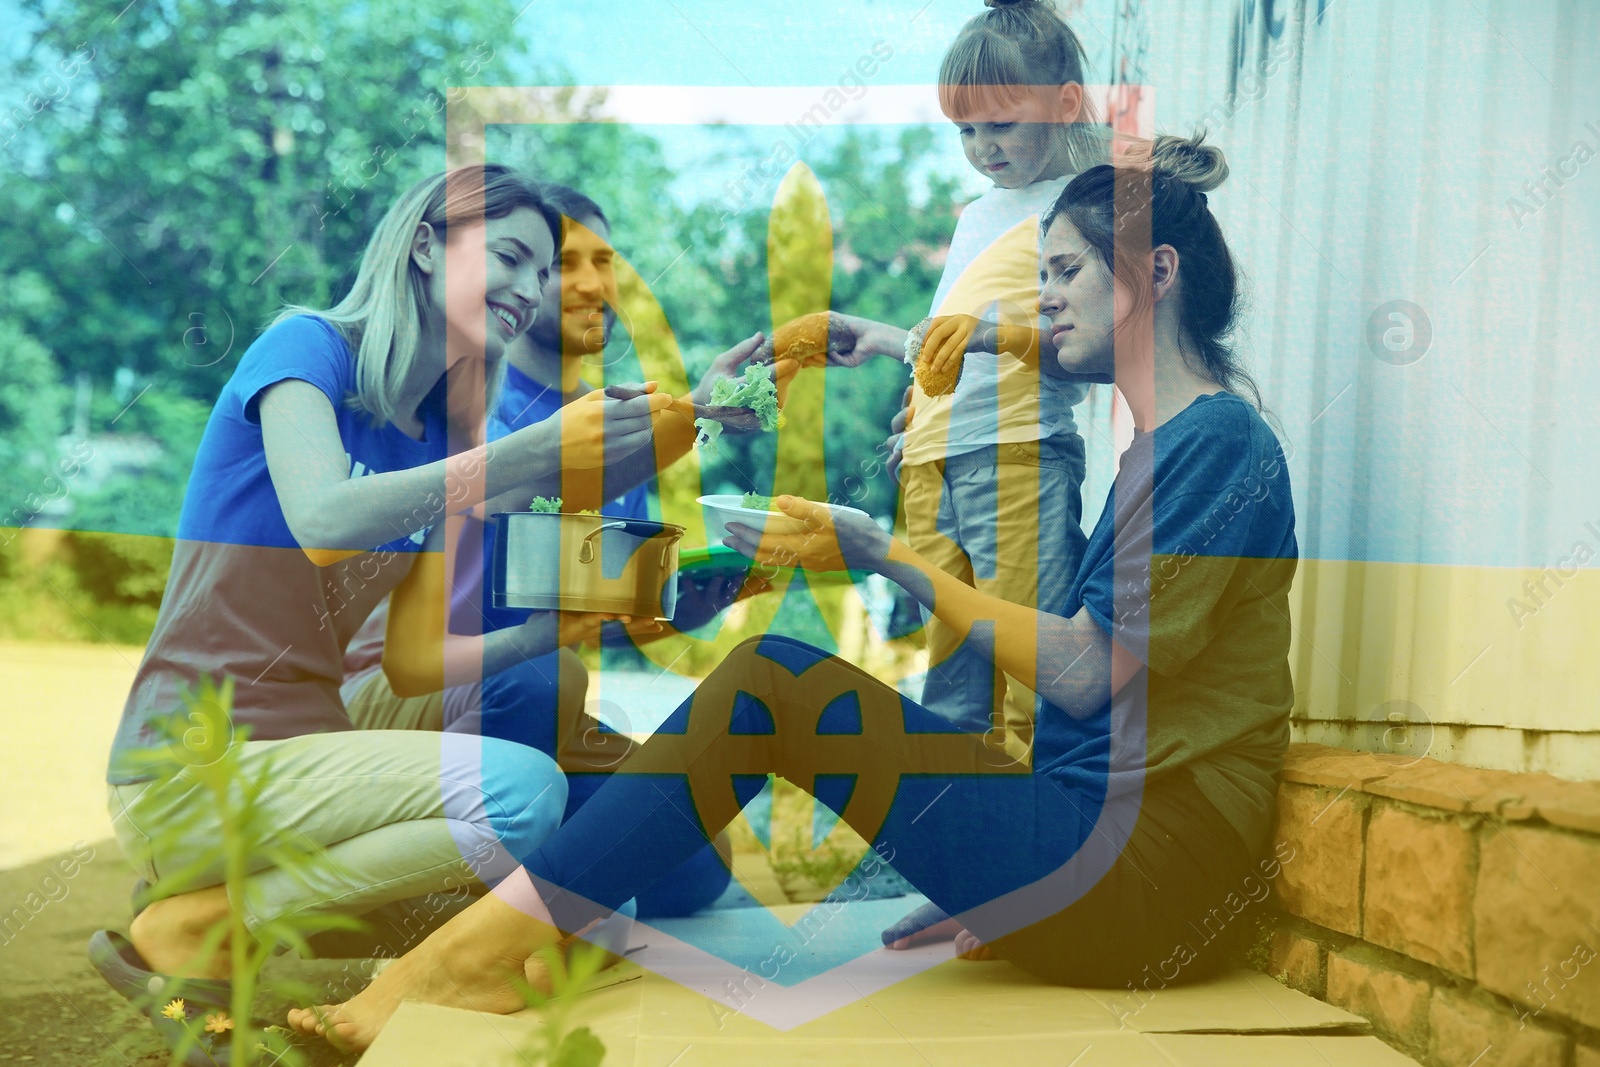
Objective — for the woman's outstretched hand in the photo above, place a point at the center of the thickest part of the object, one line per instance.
(851, 340)
(831, 541)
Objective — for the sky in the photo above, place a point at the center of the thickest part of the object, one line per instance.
(736, 42)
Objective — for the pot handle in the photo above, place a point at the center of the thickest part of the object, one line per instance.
(586, 548)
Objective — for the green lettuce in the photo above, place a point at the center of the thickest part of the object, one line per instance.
(756, 390)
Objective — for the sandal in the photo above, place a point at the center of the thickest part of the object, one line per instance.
(188, 1013)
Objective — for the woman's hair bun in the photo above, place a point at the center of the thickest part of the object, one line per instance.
(1189, 160)
(1016, 3)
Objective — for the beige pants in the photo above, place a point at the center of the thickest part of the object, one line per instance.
(392, 810)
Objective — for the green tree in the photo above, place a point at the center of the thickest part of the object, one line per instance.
(191, 168)
(174, 173)
(216, 160)
(30, 419)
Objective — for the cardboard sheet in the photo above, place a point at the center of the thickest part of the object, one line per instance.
(422, 1035)
(1240, 1002)
(957, 1013)
(916, 1007)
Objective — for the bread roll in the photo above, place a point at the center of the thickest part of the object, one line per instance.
(804, 340)
(939, 384)
(933, 384)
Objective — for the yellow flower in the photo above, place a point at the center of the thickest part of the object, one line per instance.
(175, 1009)
(218, 1023)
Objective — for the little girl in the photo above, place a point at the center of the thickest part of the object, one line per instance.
(992, 472)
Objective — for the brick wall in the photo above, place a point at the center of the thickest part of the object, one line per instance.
(1457, 909)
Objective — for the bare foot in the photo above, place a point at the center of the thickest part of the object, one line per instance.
(921, 927)
(171, 933)
(477, 961)
(536, 972)
(929, 924)
(479, 982)
(939, 931)
(968, 947)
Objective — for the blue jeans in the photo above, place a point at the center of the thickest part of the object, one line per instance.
(1007, 520)
(520, 704)
(932, 803)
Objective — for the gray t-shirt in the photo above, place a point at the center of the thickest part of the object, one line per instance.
(1189, 569)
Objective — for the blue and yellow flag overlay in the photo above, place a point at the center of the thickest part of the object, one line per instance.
(1396, 553)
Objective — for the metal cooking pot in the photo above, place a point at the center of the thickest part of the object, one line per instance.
(586, 563)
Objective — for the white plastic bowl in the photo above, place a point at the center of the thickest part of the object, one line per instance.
(723, 508)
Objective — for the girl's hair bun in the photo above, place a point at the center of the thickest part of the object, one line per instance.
(1189, 160)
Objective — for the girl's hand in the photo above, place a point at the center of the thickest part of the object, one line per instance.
(597, 429)
(946, 343)
(832, 540)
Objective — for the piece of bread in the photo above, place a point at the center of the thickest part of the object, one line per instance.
(938, 384)
(804, 340)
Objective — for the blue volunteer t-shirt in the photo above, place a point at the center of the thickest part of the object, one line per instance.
(243, 600)
(230, 497)
(1189, 568)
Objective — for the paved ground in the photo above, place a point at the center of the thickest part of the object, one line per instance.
(59, 705)
(53, 1008)
(59, 708)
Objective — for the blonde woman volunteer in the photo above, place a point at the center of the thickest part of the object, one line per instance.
(325, 463)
